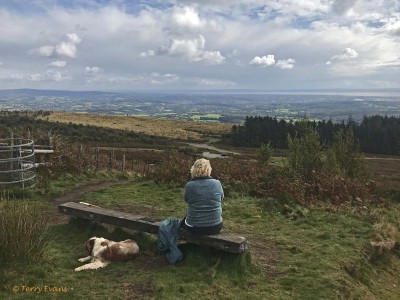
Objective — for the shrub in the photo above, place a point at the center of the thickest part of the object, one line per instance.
(286, 184)
(23, 227)
(385, 239)
(346, 154)
(334, 179)
(173, 170)
(240, 175)
(282, 184)
(305, 154)
(264, 153)
(336, 190)
(233, 174)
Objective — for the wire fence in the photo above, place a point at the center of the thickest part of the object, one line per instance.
(22, 161)
(98, 159)
(17, 163)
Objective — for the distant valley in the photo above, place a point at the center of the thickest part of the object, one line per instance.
(224, 106)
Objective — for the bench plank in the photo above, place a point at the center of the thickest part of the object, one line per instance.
(222, 241)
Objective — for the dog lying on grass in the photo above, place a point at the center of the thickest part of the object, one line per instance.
(102, 252)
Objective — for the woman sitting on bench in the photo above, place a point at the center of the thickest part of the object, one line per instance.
(204, 196)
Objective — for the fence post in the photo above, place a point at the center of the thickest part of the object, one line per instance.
(11, 175)
(51, 141)
(21, 174)
(123, 163)
(110, 165)
(80, 152)
(97, 158)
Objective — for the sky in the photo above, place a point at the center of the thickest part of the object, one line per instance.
(199, 45)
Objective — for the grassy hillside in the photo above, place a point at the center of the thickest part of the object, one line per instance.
(174, 129)
(316, 255)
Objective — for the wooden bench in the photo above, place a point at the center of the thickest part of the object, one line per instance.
(223, 241)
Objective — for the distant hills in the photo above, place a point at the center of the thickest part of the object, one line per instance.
(231, 106)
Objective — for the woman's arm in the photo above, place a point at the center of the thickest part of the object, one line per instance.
(186, 193)
(222, 191)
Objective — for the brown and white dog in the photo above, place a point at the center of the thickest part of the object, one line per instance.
(102, 252)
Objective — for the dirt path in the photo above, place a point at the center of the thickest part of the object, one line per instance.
(76, 195)
(209, 147)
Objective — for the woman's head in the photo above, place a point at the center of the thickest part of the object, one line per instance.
(201, 167)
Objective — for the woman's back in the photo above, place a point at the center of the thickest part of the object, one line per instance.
(204, 196)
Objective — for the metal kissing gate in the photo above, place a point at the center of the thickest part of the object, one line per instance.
(17, 163)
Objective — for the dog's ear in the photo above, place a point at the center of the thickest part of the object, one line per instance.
(89, 245)
(105, 243)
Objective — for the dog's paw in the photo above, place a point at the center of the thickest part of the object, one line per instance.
(78, 269)
(85, 259)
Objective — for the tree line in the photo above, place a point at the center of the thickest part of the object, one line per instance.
(375, 134)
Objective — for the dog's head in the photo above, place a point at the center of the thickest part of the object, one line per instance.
(89, 244)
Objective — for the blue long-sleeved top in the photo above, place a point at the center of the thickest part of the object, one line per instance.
(204, 196)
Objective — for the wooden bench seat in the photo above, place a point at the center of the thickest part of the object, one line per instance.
(223, 241)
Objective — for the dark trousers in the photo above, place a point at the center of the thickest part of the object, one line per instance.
(207, 230)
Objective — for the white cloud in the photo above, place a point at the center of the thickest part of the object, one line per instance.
(1, 63)
(263, 61)
(285, 64)
(142, 79)
(44, 51)
(58, 64)
(68, 48)
(55, 76)
(132, 80)
(186, 18)
(93, 70)
(12, 77)
(156, 78)
(48, 76)
(213, 57)
(35, 77)
(188, 48)
(74, 38)
(392, 25)
(148, 53)
(269, 60)
(65, 48)
(191, 49)
(207, 82)
(347, 53)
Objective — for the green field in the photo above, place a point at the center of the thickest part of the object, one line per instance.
(198, 117)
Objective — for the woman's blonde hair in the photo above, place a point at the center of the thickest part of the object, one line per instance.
(201, 167)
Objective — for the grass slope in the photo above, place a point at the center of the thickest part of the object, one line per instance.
(175, 129)
(321, 255)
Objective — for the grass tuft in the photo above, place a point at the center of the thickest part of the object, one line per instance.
(385, 240)
(23, 226)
